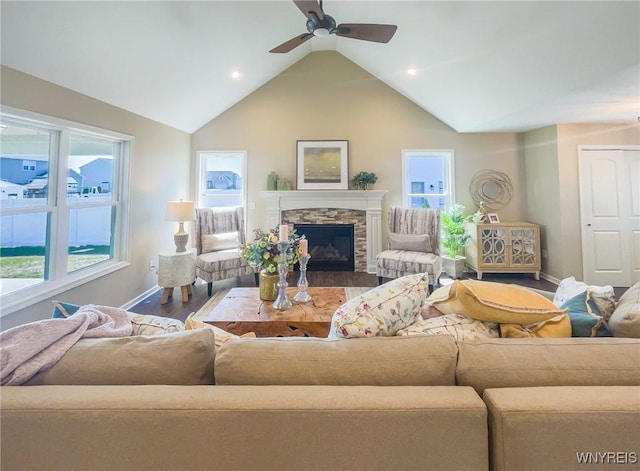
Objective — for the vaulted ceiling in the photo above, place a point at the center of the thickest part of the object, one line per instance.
(479, 66)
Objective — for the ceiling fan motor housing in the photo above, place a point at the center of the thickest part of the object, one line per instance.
(326, 23)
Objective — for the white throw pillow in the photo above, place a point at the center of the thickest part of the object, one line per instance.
(383, 310)
(216, 242)
(603, 296)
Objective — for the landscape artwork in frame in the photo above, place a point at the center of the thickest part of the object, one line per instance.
(323, 165)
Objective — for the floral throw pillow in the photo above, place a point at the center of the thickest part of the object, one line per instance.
(458, 326)
(383, 310)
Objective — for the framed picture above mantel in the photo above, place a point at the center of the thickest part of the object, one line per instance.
(322, 165)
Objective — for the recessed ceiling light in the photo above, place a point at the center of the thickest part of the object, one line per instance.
(412, 71)
(235, 74)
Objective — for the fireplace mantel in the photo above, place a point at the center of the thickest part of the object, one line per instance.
(369, 201)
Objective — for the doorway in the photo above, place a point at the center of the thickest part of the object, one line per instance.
(610, 214)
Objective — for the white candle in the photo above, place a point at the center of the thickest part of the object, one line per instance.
(284, 233)
(304, 245)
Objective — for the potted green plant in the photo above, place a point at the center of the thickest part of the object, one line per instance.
(363, 180)
(454, 238)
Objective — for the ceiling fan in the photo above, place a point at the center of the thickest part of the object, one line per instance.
(321, 24)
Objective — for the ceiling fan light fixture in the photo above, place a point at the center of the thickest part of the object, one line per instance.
(321, 32)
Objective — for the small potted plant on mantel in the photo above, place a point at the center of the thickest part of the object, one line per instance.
(363, 180)
(454, 238)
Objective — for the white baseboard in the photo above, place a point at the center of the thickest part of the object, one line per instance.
(550, 278)
(140, 297)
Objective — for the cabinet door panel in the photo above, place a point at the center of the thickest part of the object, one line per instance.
(494, 246)
(523, 247)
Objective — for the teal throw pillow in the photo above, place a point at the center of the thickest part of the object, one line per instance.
(585, 317)
(63, 310)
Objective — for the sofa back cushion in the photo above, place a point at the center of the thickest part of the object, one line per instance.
(182, 358)
(507, 363)
(381, 361)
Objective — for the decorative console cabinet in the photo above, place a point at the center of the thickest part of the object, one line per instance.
(512, 247)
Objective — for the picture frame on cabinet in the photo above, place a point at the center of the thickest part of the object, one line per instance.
(493, 218)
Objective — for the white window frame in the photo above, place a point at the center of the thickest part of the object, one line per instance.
(201, 175)
(449, 176)
(59, 209)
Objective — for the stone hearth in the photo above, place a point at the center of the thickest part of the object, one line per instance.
(363, 209)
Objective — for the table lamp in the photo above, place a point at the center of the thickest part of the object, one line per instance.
(180, 212)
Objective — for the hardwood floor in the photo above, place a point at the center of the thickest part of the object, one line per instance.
(176, 309)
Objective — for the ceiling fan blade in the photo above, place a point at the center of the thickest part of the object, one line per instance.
(292, 43)
(307, 6)
(367, 32)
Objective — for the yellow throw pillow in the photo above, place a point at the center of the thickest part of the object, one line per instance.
(494, 302)
(559, 326)
(221, 335)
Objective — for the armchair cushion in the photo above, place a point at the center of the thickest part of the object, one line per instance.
(224, 241)
(221, 260)
(410, 242)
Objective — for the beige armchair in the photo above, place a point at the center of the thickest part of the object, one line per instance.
(414, 245)
(219, 235)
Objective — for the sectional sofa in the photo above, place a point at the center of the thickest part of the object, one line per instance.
(387, 403)
(186, 400)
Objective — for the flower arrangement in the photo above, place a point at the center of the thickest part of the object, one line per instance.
(263, 252)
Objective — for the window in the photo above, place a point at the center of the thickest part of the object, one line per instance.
(428, 178)
(63, 219)
(221, 178)
(28, 165)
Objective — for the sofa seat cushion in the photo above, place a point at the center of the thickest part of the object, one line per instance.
(625, 320)
(556, 428)
(494, 302)
(379, 361)
(220, 260)
(510, 363)
(382, 310)
(253, 428)
(182, 358)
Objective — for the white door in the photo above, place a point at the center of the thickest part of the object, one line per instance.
(610, 215)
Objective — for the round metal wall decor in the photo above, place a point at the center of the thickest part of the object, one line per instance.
(492, 188)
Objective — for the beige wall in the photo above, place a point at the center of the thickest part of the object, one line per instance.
(553, 187)
(160, 171)
(326, 96)
(542, 188)
(570, 137)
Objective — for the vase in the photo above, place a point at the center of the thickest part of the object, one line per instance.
(268, 283)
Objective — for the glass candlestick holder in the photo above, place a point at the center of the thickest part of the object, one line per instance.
(302, 296)
(282, 302)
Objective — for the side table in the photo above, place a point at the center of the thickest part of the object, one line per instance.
(176, 269)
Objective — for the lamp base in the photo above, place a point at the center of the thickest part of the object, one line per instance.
(181, 242)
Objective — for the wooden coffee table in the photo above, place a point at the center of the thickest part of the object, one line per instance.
(242, 311)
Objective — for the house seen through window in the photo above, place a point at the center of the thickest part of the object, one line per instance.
(221, 178)
(61, 205)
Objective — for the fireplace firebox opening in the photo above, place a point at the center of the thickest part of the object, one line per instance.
(331, 246)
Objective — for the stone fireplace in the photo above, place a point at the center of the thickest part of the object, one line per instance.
(362, 209)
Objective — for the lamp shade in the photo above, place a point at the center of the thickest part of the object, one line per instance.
(180, 211)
